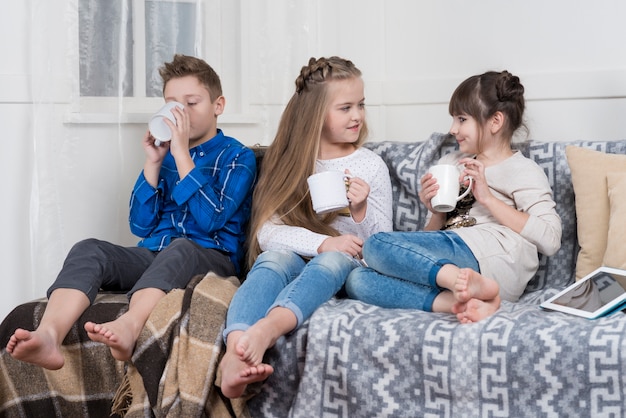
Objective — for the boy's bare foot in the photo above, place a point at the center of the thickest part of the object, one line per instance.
(237, 374)
(475, 310)
(118, 335)
(36, 347)
(472, 285)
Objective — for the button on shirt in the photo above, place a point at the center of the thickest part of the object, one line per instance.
(210, 206)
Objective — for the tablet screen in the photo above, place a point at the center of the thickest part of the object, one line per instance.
(596, 294)
(592, 294)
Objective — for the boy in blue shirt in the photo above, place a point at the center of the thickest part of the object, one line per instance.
(190, 206)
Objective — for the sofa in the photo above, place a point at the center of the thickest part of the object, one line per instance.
(351, 359)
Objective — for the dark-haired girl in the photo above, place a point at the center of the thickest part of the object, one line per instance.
(485, 250)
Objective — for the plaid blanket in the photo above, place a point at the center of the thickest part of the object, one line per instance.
(84, 387)
(172, 374)
(174, 366)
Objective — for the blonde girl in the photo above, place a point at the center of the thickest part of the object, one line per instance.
(301, 259)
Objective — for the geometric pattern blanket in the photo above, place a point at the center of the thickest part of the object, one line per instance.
(356, 360)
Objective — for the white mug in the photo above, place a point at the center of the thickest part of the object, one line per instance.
(447, 176)
(158, 128)
(328, 191)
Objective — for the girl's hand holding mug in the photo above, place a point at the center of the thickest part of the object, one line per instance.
(357, 192)
(328, 191)
(428, 190)
(449, 179)
(476, 171)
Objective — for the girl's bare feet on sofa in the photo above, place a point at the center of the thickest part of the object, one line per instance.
(241, 365)
(254, 342)
(237, 374)
(36, 347)
(472, 285)
(474, 309)
(477, 296)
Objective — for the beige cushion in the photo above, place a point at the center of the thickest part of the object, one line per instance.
(589, 170)
(615, 255)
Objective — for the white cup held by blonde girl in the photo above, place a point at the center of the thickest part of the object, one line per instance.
(328, 191)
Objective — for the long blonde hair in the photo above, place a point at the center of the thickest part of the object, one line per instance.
(282, 189)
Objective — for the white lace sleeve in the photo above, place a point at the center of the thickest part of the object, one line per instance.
(274, 235)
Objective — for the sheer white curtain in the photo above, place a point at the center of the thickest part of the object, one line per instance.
(92, 65)
(132, 39)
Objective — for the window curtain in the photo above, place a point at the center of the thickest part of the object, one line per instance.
(115, 32)
(78, 169)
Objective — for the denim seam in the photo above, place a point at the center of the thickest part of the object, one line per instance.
(432, 275)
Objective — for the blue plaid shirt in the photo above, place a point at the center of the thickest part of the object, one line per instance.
(210, 206)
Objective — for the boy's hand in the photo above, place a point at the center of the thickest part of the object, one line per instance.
(179, 145)
(154, 158)
(349, 244)
(154, 154)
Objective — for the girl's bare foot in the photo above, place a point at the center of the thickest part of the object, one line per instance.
(475, 310)
(254, 342)
(37, 347)
(472, 285)
(241, 365)
(237, 374)
(119, 335)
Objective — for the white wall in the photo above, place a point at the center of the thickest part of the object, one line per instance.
(414, 53)
(570, 56)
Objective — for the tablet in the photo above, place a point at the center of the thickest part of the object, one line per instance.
(599, 293)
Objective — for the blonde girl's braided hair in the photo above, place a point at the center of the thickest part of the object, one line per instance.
(282, 189)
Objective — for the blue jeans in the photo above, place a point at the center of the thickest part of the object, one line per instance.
(403, 268)
(283, 278)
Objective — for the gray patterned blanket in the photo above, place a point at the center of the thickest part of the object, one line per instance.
(364, 361)
(357, 360)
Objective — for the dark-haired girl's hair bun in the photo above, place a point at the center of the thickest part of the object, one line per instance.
(508, 87)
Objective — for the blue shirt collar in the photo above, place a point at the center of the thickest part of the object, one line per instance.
(211, 145)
